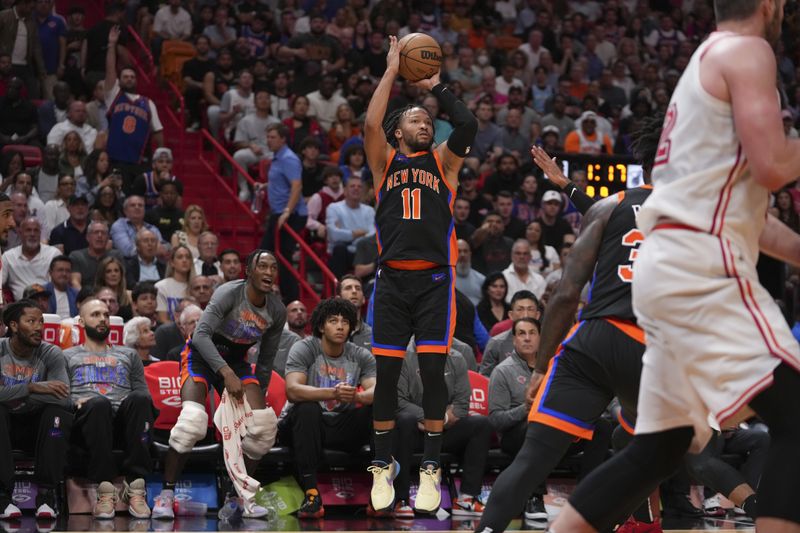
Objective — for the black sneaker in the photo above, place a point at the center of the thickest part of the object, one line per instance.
(679, 505)
(312, 505)
(46, 506)
(534, 509)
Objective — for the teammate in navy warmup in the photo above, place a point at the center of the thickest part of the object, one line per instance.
(415, 188)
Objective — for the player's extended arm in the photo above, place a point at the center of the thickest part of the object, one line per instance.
(780, 241)
(375, 145)
(582, 201)
(748, 67)
(111, 59)
(222, 301)
(578, 269)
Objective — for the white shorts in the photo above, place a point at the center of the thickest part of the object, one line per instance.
(714, 334)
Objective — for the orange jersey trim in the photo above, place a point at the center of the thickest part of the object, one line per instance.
(622, 422)
(411, 264)
(628, 328)
(385, 172)
(444, 350)
(388, 353)
(444, 178)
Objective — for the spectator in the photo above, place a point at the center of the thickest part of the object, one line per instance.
(148, 185)
(186, 324)
(143, 298)
(354, 160)
(351, 289)
(315, 54)
(19, 37)
(45, 177)
(54, 111)
(493, 307)
(468, 280)
(492, 249)
(70, 235)
(86, 260)
(441, 128)
(96, 109)
(541, 90)
(464, 229)
(174, 287)
(313, 168)
(23, 182)
(284, 185)
(131, 117)
(145, 265)
(111, 275)
(19, 124)
(73, 155)
(348, 221)
(166, 215)
(297, 318)
(321, 200)
(200, 289)
(553, 226)
(138, 336)
(62, 295)
(544, 259)
(230, 265)
(551, 136)
(558, 118)
(169, 336)
(519, 274)
(300, 125)
(114, 406)
(250, 140)
(124, 230)
(106, 207)
(288, 339)
(194, 72)
(5, 72)
(171, 22)
(220, 33)
(75, 121)
(467, 435)
(487, 140)
(215, 84)
(39, 295)
(108, 297)
(28, 263)
(343, 128)
(323, 373)
(99, 174)
(468, 190)
(506, 80)
(587, 140)
(236, 103)
(56, 211)
(526, 202)
(528, 116)
(19, 204)
(11, 164)
(34, 403)
(324, 104)
(194, 224)
(514, 138)
(207, 263)
(505, 178)
(467, 73)
(524, 304)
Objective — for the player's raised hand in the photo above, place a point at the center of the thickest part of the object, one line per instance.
(429, 83)
(113, 35)
(548, 166)
(393, 56)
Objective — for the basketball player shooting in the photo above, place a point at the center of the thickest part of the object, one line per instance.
(716, 341)
(415, 188)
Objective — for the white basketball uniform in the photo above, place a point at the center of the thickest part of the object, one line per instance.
(714, 334)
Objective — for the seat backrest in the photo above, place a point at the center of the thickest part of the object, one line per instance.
(32, 155)
(276, 393)
(479, 399)
(51, 331)
(116, 327)
(164, 382)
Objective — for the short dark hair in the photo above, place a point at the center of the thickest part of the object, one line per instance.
(281, 128)
(143, 287)
(331, 170)
(59, 259)
(345, 278)
(492, 214)
(646, 140)
(168, 184)
(523, 295)
(309, 141)
(332, 307)
(529, 320)
(504, 194)
(227, 251)
(14, 311)
(253, 258)
(734, 9)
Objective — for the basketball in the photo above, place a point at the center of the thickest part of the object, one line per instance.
(420, 56)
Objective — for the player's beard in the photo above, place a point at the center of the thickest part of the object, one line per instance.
(95, 334)
(418, 146)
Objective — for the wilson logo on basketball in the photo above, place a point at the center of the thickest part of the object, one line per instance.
(429, 54)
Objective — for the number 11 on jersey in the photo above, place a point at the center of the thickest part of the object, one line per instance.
(412, 204)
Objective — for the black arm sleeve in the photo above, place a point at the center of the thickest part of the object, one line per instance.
(465, 125)
(579, 199)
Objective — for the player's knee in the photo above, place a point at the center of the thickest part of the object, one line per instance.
(98, 406)
(620, 438)
(191, 426)
(261, 432)
(139, 399)
(305, 410)
(660, 452)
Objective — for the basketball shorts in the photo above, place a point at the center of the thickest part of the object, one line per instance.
(714, 334)
(194, 367)
(413, 303)
(599, 359)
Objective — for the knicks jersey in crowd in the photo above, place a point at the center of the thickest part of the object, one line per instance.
(128, 127)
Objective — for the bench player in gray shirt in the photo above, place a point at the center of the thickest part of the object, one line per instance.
(240, 314)
(35, 409)
(351, 289)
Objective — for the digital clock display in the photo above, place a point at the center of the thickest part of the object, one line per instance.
(606, 175)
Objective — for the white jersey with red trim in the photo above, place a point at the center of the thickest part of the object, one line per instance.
(701, 177)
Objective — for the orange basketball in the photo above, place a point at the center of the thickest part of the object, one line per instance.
(420, 56)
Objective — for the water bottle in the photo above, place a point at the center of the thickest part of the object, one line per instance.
(258, 200)
(190, 508)
(230, 510)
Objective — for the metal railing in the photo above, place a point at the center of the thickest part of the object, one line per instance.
(329, 280)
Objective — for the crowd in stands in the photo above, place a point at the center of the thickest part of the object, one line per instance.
(286, 83)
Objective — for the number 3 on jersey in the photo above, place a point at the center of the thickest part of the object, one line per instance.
(632, 239)
(412, 204)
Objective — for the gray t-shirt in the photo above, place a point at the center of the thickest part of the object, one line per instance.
(507, 388)
(113, 373)
(46, 364)
(87, 265)
(288, 339)
(253, 129)
(352, 367)
(497, 350)
(230, 325)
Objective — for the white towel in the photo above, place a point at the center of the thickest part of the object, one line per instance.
(231, 419)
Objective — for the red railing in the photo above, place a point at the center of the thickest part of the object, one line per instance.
(178, 121)
(329, 280)
(145, 66)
